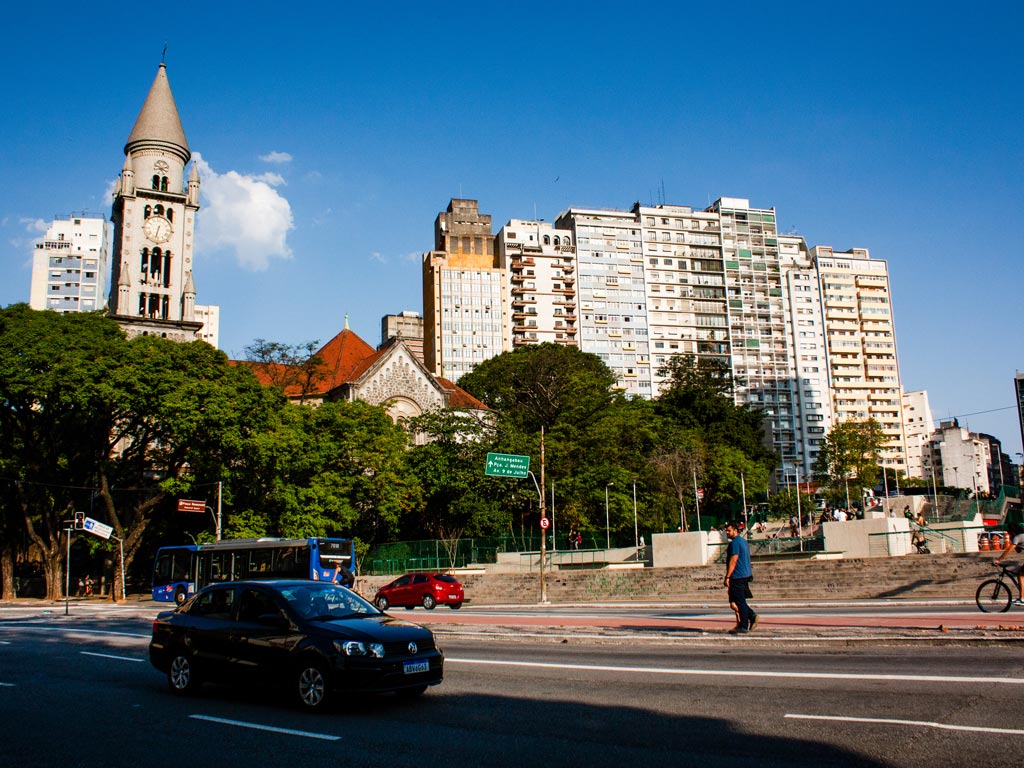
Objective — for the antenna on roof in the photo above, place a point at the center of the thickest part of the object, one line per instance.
(163, 56)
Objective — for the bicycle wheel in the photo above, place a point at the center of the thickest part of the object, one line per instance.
(994, 596)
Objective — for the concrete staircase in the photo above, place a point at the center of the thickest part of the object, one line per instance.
(946, 576)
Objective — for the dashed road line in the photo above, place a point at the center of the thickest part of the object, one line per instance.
(271, 728)
(914, 723)
(110, 656)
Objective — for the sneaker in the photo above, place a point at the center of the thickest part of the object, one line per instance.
(1018, 601)
(738, 631)
(753, 622)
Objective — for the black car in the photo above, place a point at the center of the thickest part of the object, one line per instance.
(311, 638)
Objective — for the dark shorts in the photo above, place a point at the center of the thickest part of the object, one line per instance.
(739, 590)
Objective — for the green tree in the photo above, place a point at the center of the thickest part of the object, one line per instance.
(849, 456)
(288, 367)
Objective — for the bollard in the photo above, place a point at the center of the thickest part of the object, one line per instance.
(983, 542)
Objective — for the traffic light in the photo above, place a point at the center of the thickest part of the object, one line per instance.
(79, 521)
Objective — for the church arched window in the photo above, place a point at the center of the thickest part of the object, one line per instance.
(557, 240)
(145, 262)
(147, 211)
(170, 214)
(547, 240)
(158, 210)
(156, 181)
(163, 183)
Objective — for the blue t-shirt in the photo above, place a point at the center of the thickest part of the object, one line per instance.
(739, 547)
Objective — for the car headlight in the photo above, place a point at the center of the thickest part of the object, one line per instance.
(356, 648)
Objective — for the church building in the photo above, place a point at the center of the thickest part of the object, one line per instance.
(152, 291)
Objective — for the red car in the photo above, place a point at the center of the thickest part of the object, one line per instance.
(426, 589)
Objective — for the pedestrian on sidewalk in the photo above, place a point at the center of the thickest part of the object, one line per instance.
(738, 575)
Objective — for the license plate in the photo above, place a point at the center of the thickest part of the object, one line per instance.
(453, 597)
(412, 667)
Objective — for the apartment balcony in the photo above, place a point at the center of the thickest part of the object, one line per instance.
(517, 277)
(522, 301)
(521, 342)
(567, 249)
(565, 291)
(523, 315)
(518, 290)
(568, 269)
(510, 246)
(569, 331)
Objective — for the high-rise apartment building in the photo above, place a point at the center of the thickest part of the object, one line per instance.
(684, 286)
(861, 337)
(611, 293)
(808, 365)
(70, 265)
(918, 427)
(465, 296)
(209, 316)
(539, 263)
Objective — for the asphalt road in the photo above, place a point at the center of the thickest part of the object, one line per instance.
(79, 691)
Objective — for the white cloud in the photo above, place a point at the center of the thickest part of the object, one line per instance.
(33, 226)
(273, 179)
(243, 213)
(276, 157)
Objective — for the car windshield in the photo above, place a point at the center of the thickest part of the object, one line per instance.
(326, 602)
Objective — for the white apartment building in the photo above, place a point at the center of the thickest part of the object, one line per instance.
(960, 457)
(70, 265)
(918, 428)
(209, 316)
(539, 262)
(685, 285)
(612, 297)
(862, 344)
(808, 366)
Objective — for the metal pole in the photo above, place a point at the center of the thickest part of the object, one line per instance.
(696, 497)
(67, 574)
(799, 515)
(543, 531)
(607, 519)
(636, 529)
(124, 588)
(743, 488)
(935, 493)
(220, 485)
(885, 482)
(554, 537)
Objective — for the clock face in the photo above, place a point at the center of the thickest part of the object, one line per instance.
(157, 229)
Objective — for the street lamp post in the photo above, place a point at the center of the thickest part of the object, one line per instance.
(636, 527)
(743, 489)
(607, 519)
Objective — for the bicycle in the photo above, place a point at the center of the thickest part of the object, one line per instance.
(996, 595)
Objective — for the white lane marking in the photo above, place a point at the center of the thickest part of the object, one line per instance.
(75, 630)
(109, 656)
(741, 672)
(919, 723)
(258, 727)
(6, 685)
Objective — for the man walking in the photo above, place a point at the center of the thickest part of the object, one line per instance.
(738, 574)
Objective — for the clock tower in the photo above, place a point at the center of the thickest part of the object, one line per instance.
(151, 288)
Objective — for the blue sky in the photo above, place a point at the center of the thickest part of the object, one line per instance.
(330, 136)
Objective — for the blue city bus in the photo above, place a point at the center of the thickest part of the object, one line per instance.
(179, 572)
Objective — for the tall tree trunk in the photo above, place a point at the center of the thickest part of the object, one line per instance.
(7, 591)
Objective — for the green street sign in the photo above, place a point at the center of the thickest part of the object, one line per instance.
(507, 465)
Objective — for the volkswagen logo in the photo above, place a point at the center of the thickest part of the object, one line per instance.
(413, 648)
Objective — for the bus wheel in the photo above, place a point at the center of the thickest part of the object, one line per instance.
(179, 595)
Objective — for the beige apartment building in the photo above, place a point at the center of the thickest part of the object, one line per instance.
(861, 338)
(465, 295)
(539, 262)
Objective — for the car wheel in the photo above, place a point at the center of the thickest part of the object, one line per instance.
(181, 675)
(179, 595)
(455, 606)
(382, 603)
(411, 693)
(429, 602)
(311, 685)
